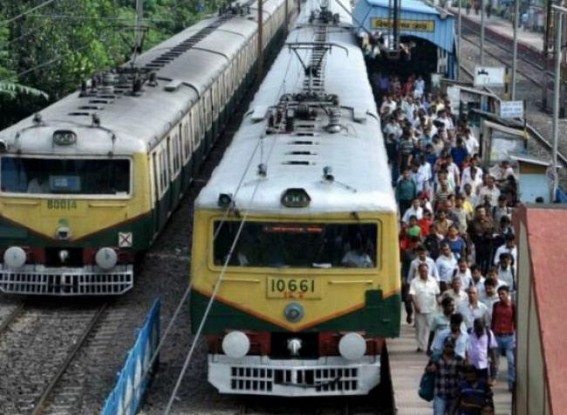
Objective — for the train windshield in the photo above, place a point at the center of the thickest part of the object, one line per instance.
(296, 245)
(65, 176)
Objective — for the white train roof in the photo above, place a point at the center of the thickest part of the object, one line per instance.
(136, 122)
(296, 159)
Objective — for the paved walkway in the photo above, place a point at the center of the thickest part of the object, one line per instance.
(406, 367)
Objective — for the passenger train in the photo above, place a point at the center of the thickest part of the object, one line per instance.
(87, 184)
(295, 265)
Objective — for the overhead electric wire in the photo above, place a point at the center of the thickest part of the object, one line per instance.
(230, 253)
(189, 288)
(19, 16)
(216, 288)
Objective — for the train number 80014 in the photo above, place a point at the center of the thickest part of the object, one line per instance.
(293, 288)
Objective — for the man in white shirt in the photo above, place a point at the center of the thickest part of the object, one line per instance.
(423, 294)
(509, 247)
(422, 258)
(490, 190)
(471, 142)
(478, 280)
(419, 87)
(446, 264)
(388, 105)
(456, 292)
(472, 308)
(464, 273)
(414, 210)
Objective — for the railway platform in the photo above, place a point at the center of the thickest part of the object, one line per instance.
(527, 39)
(406, 368)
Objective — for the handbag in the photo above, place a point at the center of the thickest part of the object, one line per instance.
(427, 386)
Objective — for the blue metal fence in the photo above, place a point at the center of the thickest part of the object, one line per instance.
(126, 397)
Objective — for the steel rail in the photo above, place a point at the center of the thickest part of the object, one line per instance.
(40, 405)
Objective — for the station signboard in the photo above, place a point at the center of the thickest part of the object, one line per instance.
(489, 76)
(512, 109)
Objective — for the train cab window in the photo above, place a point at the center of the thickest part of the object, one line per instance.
(296, 245)
(14, 175)
(65, 176)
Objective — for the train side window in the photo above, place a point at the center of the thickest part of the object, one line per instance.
(210, 108)
(195, 121)
(165, 168)
(189, 135)
(202, 120)
(214, 99)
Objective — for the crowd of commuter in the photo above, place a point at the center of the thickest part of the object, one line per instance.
(457, 244)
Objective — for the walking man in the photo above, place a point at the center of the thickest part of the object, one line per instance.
(481, 350)
(504, 328)
(423, 294)
(448, 370)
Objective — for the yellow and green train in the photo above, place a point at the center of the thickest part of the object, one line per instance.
(295, 265)
(87, 184)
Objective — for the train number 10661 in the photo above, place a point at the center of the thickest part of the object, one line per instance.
(293, 288)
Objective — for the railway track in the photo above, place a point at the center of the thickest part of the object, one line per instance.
(466, 72)
(38, 345)
(528, 63)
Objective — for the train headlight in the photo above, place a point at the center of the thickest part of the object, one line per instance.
(63, 256)
(236, 344)
(295, 198)
(294, 346)
(15, 257)
(64, 137)
(352, 346)
(106, 258)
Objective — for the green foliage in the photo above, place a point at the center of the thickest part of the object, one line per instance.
(53, 48)
(12, 90)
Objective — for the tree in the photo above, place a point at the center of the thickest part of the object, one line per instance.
(48, 52)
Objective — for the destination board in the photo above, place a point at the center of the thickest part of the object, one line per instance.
(409, 25)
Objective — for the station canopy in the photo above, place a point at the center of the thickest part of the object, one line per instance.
(415, 19)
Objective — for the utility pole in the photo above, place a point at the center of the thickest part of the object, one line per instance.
(558, 49)
(286, 18)
(459, 28)
(515, 46)
(139, 35)
(482, 6)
